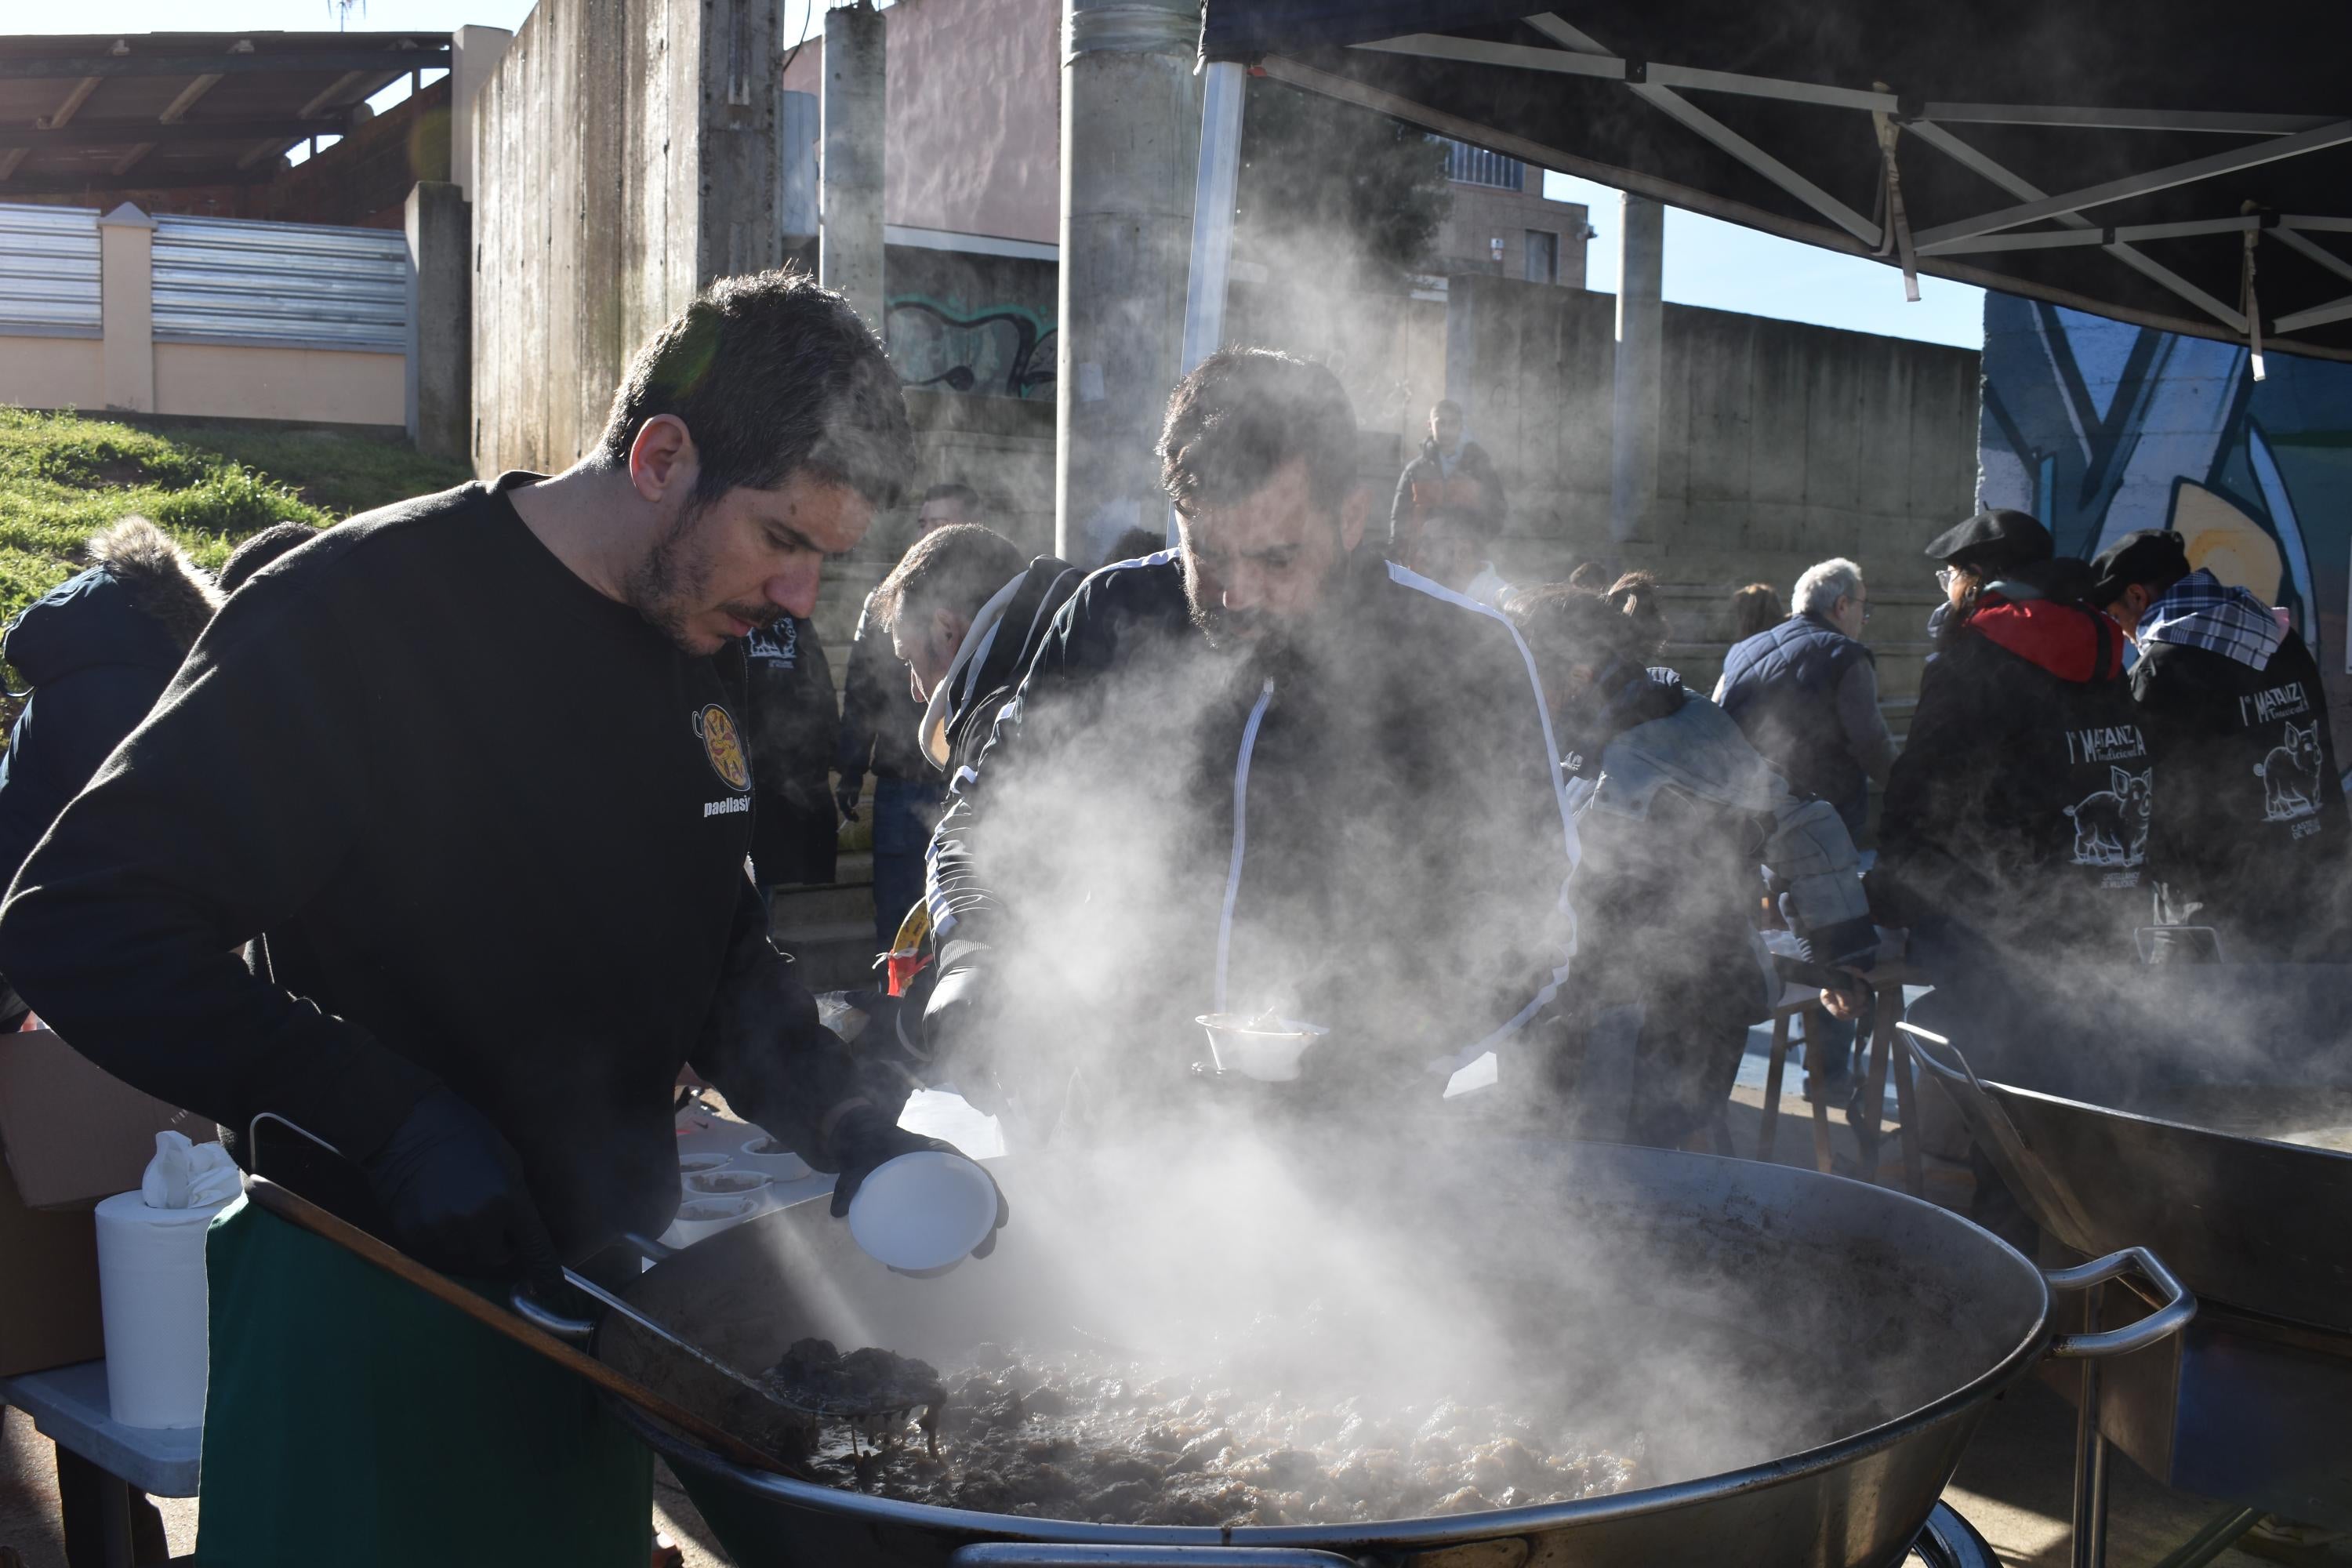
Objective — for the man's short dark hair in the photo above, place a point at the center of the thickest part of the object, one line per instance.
(952, 568)
(967, 498)
(773, 376)
(1445, 406)
(261, 549)
(1244, 413)
(1136, 543)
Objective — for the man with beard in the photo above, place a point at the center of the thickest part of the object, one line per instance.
(1266, 772)
(470, 776)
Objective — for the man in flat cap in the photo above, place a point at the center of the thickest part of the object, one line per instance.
(2248, 835)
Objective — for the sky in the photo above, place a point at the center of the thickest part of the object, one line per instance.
(1708, 261)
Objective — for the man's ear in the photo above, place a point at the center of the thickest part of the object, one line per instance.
(950, 628)
(1353, 512)
(662, 458)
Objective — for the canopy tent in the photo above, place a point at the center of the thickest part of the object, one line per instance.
(2165, 164)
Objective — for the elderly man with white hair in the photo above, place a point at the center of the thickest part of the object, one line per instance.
(1806, 693)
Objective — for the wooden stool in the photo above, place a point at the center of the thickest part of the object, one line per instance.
(1885, 1052)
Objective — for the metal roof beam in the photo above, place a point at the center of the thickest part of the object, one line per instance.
(2052, 239)
(2316, 225)
(2318, 316)
(388, 62)
(2314, 252)
(2228, 123)
(1722, 135)
(2016, 185)
(1604, 67)
(96, 184)
(2334, 133)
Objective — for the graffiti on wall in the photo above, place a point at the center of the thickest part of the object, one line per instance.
(2099, 428)
(1000, 352)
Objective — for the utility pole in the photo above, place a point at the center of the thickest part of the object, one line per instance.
(1640, 315)
(849, 234)
(1130, 151)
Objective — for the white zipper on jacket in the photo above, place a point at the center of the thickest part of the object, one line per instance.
(1240, 834)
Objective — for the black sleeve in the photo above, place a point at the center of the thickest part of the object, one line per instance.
(762, 1046)
(863, 698)
(1932, 792)
(70, 725)
(1048, 707)
(229, 812)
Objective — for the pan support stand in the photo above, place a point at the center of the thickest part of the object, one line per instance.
(2214, 1538)
(2090, 1453)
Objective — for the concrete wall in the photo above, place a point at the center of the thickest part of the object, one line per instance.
(625, 154)
(52, 373)
(1781, 443)
(314, 386)
(974, 109)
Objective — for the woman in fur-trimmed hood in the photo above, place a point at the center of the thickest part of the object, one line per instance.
(97, 651)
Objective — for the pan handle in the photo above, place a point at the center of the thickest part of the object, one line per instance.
(2167, 1319)
(1051, 1554)
(528, 1308)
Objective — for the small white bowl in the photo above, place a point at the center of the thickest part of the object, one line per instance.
(1266, 1049)
(730, 1184)
(701, 1217)
(780, 1163)
(923, 1214)
(687, 1164)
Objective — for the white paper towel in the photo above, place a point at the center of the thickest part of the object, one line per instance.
(150, 1285)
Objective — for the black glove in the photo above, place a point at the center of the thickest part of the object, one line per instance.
(866, 1140)
(844, 795)
(454, 1190)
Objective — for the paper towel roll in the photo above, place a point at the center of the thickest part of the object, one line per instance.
(151, 1289)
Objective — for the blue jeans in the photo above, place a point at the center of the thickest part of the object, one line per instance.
(905, 812)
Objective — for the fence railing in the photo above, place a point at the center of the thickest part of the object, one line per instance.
(48, 271)
(296, 285)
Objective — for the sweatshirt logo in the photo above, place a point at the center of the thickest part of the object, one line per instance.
(723, 742)
(2278, 702)
(2105, 743)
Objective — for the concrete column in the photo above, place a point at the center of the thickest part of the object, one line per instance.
(126, 295)
(474, 56)
(1131, 151)
(1641, 317)
(850, 242)
(440, 320)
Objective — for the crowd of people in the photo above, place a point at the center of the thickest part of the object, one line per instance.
(429, 835)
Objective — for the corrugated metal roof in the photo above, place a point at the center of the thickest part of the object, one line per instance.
(302, 285)
(48, 270)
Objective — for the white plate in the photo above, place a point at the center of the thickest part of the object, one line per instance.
(726, 1183)
(701, 1217)
(780, 1163)
(923, 1213)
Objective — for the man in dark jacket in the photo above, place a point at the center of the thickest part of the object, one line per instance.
(1805, 693)
(2017, 817)
(966, 644)
(794, 727)
(878, 732)
(2248, 835)
(472, 770)
(1264, 773)
(1451, 471)
(98, 650)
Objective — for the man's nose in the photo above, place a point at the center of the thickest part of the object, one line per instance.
(1244, 589)
(794, 587)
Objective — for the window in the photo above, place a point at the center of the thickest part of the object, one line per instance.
(1542, 257)
(1476, 166)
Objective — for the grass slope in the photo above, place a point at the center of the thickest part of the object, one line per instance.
(63, 476)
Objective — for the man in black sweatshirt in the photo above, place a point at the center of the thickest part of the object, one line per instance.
(2247, 833)
(472, 769)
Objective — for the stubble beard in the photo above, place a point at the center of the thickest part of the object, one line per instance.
(670, 588)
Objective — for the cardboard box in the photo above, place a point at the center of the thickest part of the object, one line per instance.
(49, 1286)
(72, 1133)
